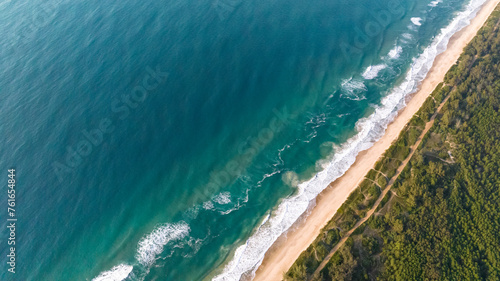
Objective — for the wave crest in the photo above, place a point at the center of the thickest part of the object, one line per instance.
(152, 245)
(416, 21)
(117, 273)
(372, 71)
(353, 89)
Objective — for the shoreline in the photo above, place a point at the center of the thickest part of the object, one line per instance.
(283, 253)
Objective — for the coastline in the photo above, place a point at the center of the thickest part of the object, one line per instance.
(291, 244)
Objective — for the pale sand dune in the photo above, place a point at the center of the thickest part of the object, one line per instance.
(287, 249)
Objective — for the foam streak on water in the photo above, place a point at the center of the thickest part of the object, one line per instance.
(395, 52)
(117, 273)
(249, 256)
(372, 71)
(353, 89)
(435, 3)
(416, 21)
(148, 248)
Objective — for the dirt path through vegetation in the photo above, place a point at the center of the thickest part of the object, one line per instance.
(401, 167)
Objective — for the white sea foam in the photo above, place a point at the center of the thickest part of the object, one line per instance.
(416, 21)
(152, 245)
(208, 205)
(147, 250)
(395, 52)
(435, 3)
(223, 198)
(372, 71)
(268, 175)
(407, 36)
(353, 89)
(249, 256)
(117, 273)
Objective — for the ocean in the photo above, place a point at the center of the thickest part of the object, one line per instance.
(177, 140)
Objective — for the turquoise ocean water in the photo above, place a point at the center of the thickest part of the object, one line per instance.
(176, 140)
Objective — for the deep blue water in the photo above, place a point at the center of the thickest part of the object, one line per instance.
(157, 136)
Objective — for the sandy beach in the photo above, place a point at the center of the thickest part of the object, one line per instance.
(287, 248)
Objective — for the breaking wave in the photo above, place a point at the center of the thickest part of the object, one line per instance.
(149, 247)
(395, 52)
(435, 3)
(416, 21)
(353, 89)
(372, 71)
(116, 273)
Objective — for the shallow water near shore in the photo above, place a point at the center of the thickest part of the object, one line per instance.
(158, 140)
